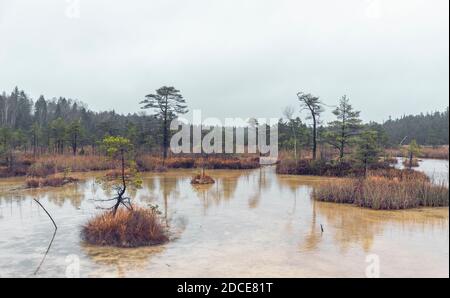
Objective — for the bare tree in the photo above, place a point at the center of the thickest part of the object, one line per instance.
(315, 107)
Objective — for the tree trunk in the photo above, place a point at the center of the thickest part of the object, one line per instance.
(74, 146)
(314, 138)
(165, 139)
(124, 185)
(165, 132)
(410, 160)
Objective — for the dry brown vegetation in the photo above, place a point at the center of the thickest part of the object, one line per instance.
(49, 182)
(135, 228)
(81, 163)
(152, 163)
(383, 193)
(325, 168)
(413, 164)
(390, 160)
(49, 165)
(401, 175)
(44, 166)
(202, 179)
(441, 152)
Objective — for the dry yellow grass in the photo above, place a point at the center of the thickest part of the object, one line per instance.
(383, 193)
(441, 152)
(139, 227)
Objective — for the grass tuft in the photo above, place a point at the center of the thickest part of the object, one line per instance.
(202, 180)
(139, 227)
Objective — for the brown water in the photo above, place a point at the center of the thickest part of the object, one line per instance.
(249, 224)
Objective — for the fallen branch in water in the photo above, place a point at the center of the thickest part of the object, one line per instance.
(51, 241)
(56, 227)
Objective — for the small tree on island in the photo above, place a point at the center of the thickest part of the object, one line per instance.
(343, 131)
(367, 152)
(168, 103)
(120, 150)
(412, 151)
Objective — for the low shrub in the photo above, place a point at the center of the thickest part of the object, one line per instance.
(390, 160)
(42, 169)
(135, 228)
(344, 169)
(32, 183)
(320, 168)
(413, 164)
(152, 163)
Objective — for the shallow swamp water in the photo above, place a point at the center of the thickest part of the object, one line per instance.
(249, 224)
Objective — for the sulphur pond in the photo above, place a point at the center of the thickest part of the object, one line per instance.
(249, 224)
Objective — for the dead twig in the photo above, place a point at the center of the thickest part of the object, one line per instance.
(39, 203)
(51, 241)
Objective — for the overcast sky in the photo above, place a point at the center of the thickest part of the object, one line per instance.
(230, 57)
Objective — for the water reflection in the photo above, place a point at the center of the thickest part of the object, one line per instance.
(350, 226)
(115, 262)
(249, 223)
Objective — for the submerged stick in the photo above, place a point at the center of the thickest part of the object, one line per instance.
(51, 241)
(46, 253)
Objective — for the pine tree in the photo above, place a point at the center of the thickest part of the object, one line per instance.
(367, 152)
(315, 108)
(167, 103)
(343, 131)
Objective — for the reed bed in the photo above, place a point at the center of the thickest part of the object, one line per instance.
(49, 165)
(382, 193)
(49, 182)
(135, 228)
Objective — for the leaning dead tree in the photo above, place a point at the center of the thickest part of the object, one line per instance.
(315, 107)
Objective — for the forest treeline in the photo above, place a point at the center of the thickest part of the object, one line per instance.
(426, 129)
(61, 125)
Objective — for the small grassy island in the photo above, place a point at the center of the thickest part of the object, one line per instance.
(382, 193)
(129, 226)
(126, 228)
(202, 179)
